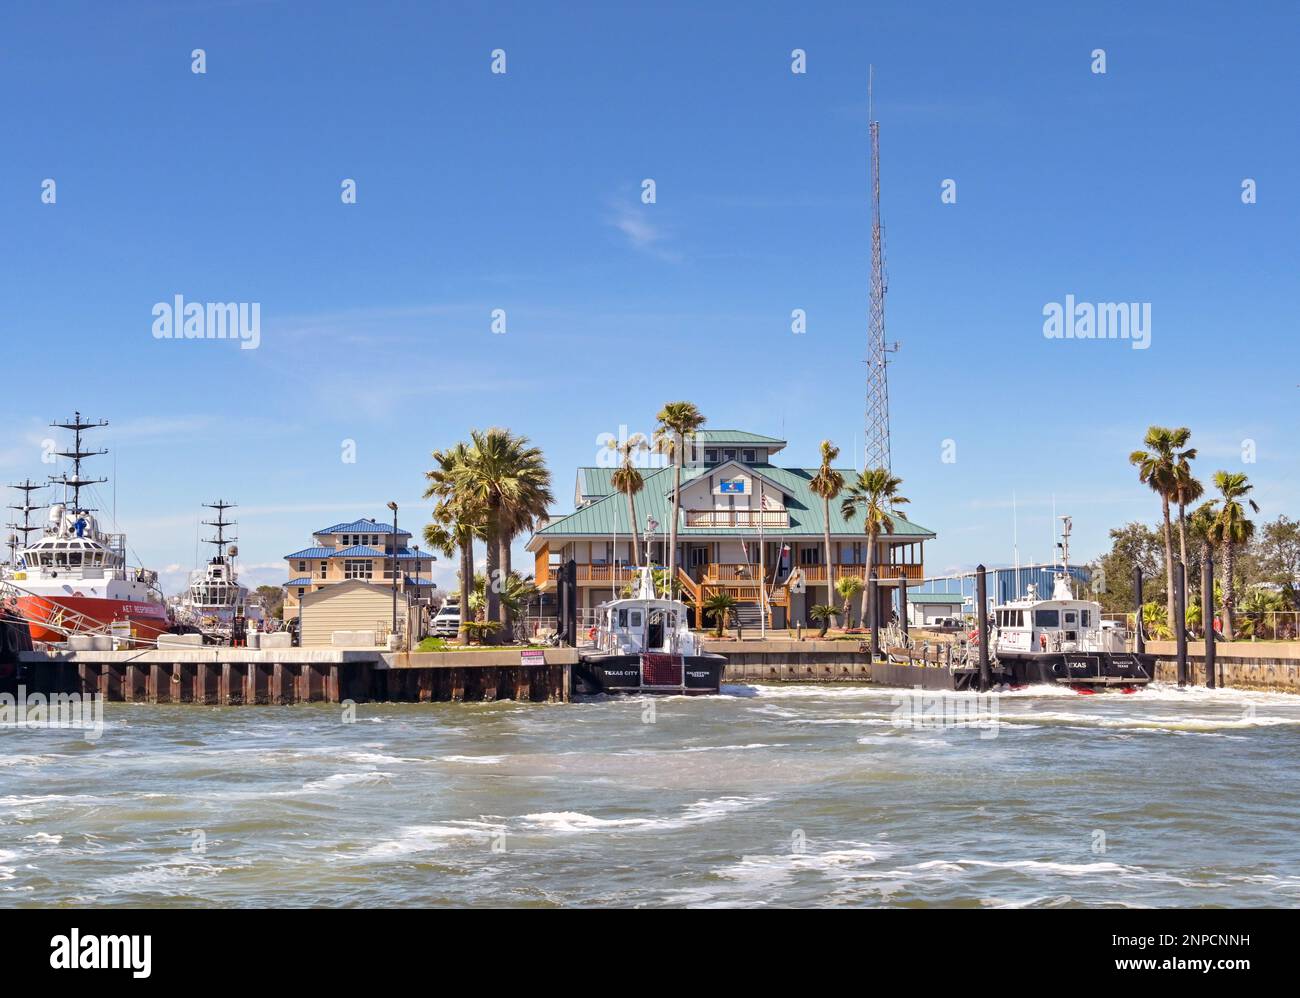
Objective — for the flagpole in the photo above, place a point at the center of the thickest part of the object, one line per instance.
(762, 569)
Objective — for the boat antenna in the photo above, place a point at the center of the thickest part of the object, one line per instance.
(1015, 540)
(220, 523)
(78, 426)
(26, 487)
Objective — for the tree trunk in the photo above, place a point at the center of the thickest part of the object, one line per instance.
(866, 582)
(492, 583)
(506, 634)
(1169, 568)
(826, 539)
(466, 585)
(631, 518)
(672, 527)
(1229, 597)
(1182, 532)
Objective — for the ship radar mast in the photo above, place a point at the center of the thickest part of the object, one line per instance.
(220, 523)
(1063, 589)
(26, 487)
(78, 425)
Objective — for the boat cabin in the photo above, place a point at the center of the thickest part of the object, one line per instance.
(636, 626)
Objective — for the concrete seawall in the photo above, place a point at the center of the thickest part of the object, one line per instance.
(792, 661)
(229, 676)
(1252, 665)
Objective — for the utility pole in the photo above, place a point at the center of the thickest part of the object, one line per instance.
(393, 507)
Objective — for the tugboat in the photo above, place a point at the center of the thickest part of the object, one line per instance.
(215, 604)
(643, 645)
(1063, 640)
(75, 579)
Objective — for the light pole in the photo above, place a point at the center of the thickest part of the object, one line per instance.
(393, 507)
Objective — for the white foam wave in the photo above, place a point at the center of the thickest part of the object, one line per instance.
(699, 812)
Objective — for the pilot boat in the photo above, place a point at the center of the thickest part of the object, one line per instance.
(1064, 640)
(642, 644)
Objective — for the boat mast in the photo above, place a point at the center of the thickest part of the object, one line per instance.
(78, 425)
(221, 523)
(26, 487)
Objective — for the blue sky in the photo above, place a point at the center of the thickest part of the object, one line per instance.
(521, 192)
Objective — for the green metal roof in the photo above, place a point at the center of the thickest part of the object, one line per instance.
(735, 437)
(608, 515)
(950, 598)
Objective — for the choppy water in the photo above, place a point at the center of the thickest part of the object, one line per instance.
(771, 795)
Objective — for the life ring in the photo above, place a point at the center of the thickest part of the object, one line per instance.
(1042, 642)
(591, 634)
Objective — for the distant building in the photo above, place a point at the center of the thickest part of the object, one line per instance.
(730, 492)
(362, 551)
(926, 608)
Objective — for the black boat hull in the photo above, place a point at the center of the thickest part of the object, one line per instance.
(661, 674)
(1097, 669)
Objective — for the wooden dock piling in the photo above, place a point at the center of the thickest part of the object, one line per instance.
(241, 676)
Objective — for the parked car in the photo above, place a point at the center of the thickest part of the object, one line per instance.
(446, 622)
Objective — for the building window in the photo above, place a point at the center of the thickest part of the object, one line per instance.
(357, 568)
(810, 556)
(729, 454)
(302, 566)
(748, 457)
(300, 592)
(710, 455)
(324, 566)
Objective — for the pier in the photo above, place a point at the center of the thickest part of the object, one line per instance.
(242, 676)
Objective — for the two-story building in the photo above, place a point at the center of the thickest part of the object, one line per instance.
(362, 549)
(731, 494)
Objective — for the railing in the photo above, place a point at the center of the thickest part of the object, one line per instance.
(884, 573)
(605, 573)
(732, 572)
(736, 518)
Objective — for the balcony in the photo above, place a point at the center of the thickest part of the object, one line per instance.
(737, 518)
(888, 572)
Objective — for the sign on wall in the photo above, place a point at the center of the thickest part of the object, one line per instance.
(732, 485)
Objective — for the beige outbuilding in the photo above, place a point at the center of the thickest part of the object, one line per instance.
(362, 609)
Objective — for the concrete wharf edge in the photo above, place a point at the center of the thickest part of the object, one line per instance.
(229, 676)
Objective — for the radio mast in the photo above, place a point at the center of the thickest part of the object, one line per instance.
(877, 442)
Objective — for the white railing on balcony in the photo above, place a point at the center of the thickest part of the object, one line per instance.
(736, 518)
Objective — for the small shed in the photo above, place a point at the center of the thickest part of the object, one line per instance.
(347, 606)
(926, 608)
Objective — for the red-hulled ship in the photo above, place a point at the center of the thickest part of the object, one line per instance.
(75, 579)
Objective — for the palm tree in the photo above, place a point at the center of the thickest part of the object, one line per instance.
(506, 477)
(827, 483)
(677, 421)
(1201, 526)
(876, 493)
(1230, 529)
(1158, 469)
(1187, 489)
(457, 522)
(720, 606)
(824, 613)
(848, 587)
(627, 479)
(1154, 622)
